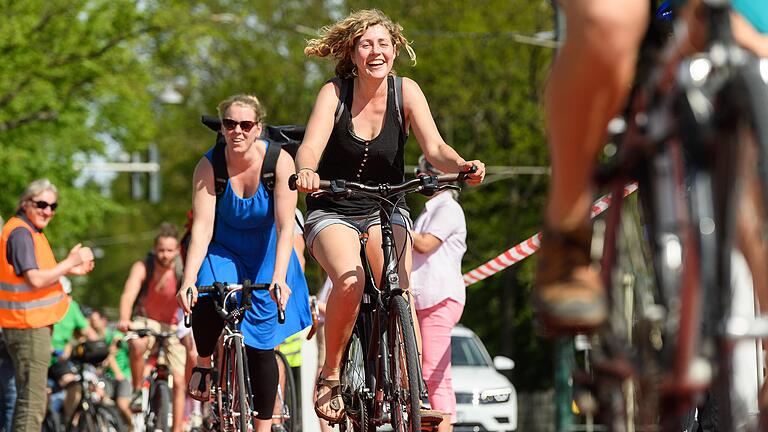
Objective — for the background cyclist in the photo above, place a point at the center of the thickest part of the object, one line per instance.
(148, 301)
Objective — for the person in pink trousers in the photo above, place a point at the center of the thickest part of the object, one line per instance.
(439, 243)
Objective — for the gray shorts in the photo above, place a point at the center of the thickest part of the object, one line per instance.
(123, 388)
(319, 219)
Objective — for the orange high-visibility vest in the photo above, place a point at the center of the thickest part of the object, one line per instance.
(22, 306)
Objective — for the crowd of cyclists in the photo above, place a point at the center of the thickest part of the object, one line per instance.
(242, 229)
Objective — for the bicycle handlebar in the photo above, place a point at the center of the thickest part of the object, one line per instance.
(223, 288)
(280, 311)
(144, 332)
(428, 185)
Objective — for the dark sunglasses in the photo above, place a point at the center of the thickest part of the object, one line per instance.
(245, 125)
(43, 204)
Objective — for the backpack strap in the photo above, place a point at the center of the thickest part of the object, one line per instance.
(399, 105)
(149, 265)
(220, 173)
(269, 166)
(344, 85)
(178, 266)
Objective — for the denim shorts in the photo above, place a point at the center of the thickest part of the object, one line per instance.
(319, 219)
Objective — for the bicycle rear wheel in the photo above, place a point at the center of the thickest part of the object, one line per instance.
(404, 369)
(286, 396)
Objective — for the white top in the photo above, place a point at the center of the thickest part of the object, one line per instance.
(322, 296)
(437, 276)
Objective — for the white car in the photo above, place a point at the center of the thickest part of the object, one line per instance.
(485, 399)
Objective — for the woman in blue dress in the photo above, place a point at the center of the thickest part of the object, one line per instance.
(253, 239)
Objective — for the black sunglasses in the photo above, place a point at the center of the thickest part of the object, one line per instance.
(245, 125)
(43, 204)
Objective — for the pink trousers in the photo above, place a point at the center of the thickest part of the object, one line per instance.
(436, 323)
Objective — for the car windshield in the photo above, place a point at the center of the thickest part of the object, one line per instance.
(466, 351)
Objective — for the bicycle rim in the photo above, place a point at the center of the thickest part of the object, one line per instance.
(404, 369)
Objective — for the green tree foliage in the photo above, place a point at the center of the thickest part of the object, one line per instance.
(86, 77)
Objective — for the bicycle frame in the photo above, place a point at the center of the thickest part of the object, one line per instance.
(688, 173)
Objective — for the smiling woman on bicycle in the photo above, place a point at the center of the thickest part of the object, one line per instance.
(252, 239)
(363, 141)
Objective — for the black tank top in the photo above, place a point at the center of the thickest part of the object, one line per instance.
(349, 157)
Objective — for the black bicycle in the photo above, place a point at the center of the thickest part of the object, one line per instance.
(94, 411)
(156, 399)
(232, 408)
(381, 378)
(670, 337)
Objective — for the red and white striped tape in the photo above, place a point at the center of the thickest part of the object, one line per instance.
(529, 246)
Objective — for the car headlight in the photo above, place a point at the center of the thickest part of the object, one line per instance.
(491, 396)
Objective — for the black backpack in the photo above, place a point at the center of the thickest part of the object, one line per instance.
(286, 137)
(344, 86)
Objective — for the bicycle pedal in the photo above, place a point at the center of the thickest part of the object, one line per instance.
(746, 328)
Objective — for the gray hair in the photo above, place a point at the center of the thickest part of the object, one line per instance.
(36, 188)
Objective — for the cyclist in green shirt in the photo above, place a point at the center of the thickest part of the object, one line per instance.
(118, 364)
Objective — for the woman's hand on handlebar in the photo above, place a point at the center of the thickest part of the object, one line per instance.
(285, 293)
(184, 303)
(476, 177)
(307, 180)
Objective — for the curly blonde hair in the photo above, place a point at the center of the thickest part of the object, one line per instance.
(249, 101)
(338, 40)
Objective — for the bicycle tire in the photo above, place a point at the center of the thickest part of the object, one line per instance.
(242, 411)
(287, 395)
(83, 420)
(158, 419)
(404, 368)
(353, 387)
(109, 420)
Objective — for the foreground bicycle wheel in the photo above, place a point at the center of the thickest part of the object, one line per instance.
(240, 403)
(404, 369)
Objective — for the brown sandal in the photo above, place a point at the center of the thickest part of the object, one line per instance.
(332, 398)
(199, 386)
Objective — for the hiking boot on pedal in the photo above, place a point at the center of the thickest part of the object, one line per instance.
(568, 294)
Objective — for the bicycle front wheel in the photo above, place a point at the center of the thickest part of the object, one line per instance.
(286, 395)
(159, 417)
(404, 368)
(83, 420)
(241, 409)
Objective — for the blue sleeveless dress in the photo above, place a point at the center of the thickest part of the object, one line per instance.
(243, 247)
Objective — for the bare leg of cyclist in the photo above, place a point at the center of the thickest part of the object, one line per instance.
(337, 249)
(179, 399)
(136, 350)
(589, 81)
(750, 238)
